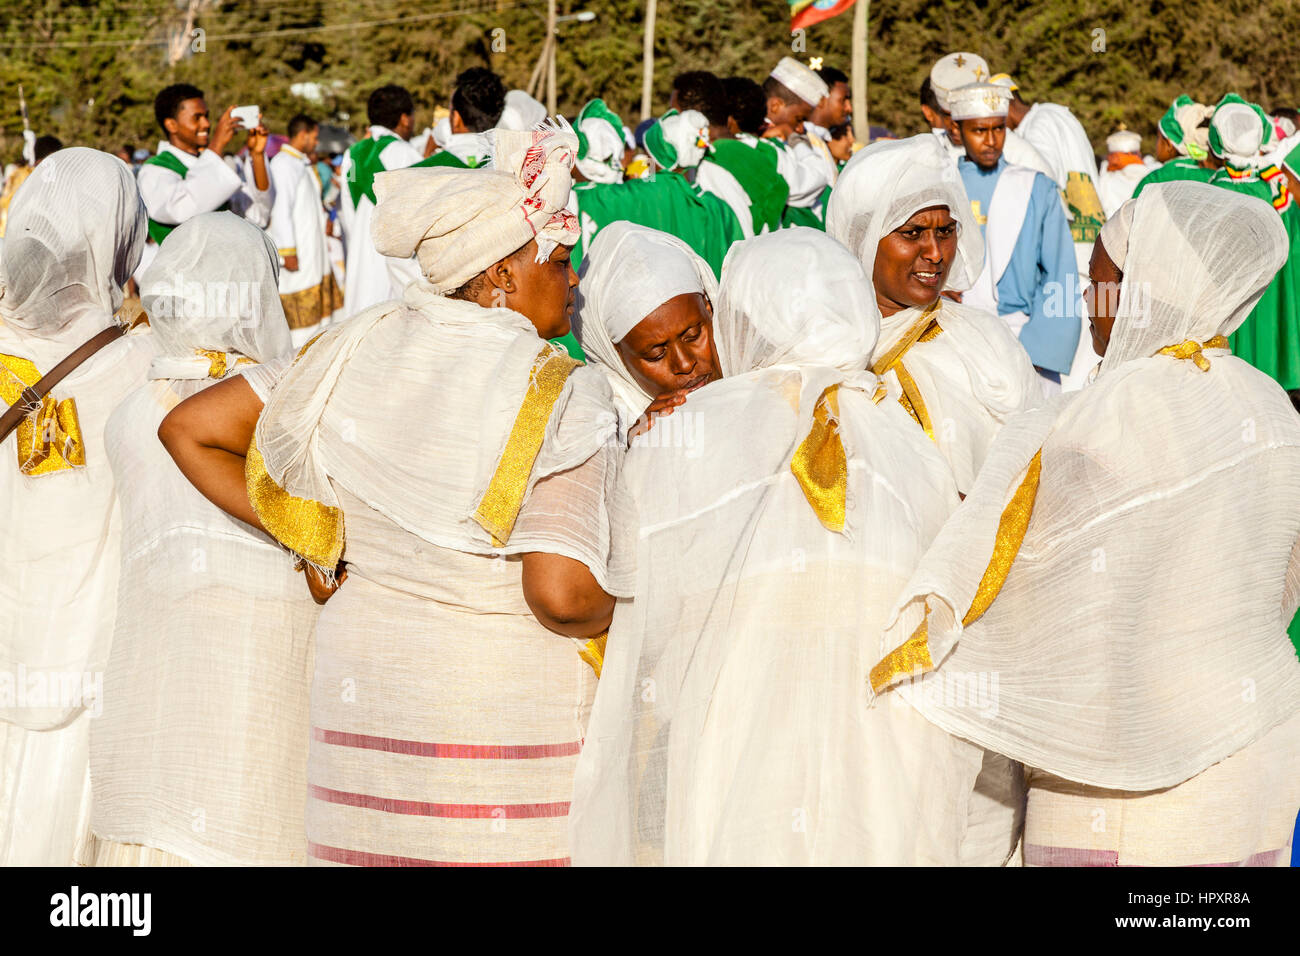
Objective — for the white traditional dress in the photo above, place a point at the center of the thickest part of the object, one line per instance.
(310, 295)
(200, 754)
(731, 727)
(441, 440)
(74, 236)
(177, 186)
(1108, 567)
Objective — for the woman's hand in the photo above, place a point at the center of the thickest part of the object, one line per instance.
(661, 407)
(321, 590)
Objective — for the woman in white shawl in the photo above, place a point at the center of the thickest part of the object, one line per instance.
(900, 207)
(1145, 542)
(76, 231)
(200, 755)
(465, 469)
(645, 317)
(731, 727)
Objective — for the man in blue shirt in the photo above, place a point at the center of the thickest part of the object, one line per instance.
(1030, 277)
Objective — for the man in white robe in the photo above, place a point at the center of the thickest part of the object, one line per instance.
(371, 277)
(1122, 169)
(188, 175)
(308, 290)
(793, 91)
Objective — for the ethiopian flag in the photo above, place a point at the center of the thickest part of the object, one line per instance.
(804, 13)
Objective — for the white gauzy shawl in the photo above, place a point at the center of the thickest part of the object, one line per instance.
(201, 749)
(628, 272)
(1144, 533)
(728, 727)
(972, 376)
(212, 299)
(75, 233)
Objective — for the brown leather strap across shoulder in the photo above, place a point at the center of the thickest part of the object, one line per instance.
(33, 394)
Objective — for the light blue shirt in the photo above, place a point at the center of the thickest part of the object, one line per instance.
(1042, 278)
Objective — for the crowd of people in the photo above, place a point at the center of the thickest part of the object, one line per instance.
(527, 491)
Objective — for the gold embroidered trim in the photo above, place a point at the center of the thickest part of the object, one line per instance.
(925, 329)
(306, 308)
(820, 464)
(913, 655)
(500, 504)
(307, 528)
(593, 652)
(1191, 349)
(49, 439)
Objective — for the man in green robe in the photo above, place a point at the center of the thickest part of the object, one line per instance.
(1182, 144)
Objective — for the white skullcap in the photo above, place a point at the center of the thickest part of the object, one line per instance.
(956, 70)
(800, 80)
(978, 101)
(521, 111)
(1124, 141)
(457, 222)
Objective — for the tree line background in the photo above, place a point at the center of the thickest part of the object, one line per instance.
(90, 70)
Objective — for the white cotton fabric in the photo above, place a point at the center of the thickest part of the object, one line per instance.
(367, 404)
(728, 728)
(1124, 141)
(628, 272)
(800, 80)
(688, 134)
(74, 235)
(1141, 634)
(604, 160)
(215, 284)
(975, 375)
(978, 101)
(457, 222)
(196, 729)
(956, 70)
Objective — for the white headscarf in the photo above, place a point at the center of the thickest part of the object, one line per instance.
(724, 703)
(628, 272)
(1140, 634)
(63, 270)
(457, 222)
(974, 375)
(213, 287)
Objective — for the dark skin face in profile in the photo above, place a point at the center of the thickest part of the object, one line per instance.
(1102, 296)
(984, 140)
(671, 349)
(543, 292)
(913, 261)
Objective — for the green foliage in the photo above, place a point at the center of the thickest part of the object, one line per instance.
(90, 69)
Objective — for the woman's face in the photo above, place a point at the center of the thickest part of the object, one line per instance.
(913, 261)
(672, 347)
(1102, 296)
(543, 292)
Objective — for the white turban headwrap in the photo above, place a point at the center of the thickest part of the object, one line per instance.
(521, 112)
(457, 222)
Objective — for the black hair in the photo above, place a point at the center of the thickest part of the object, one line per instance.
(745, 103)
(840, 130)
(168, 103)
(703, 91)
(388, 104)
(831, 76)
(46, 145)
(774, 87)
(299, 124)
(927, 96)
(479, 98)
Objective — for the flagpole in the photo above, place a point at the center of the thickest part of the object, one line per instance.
(648, 59)
(550, 66)
(861, 112)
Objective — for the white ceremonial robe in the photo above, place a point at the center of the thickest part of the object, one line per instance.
(298, 229)
(371, 277)
(209, 182)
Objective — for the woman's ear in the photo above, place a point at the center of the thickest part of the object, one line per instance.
(500, 276)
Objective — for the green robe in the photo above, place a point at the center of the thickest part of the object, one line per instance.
(668, 203)
(444, 157)
(1269, 339)
(158, 231)
(754, 167)
(1184, 167)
